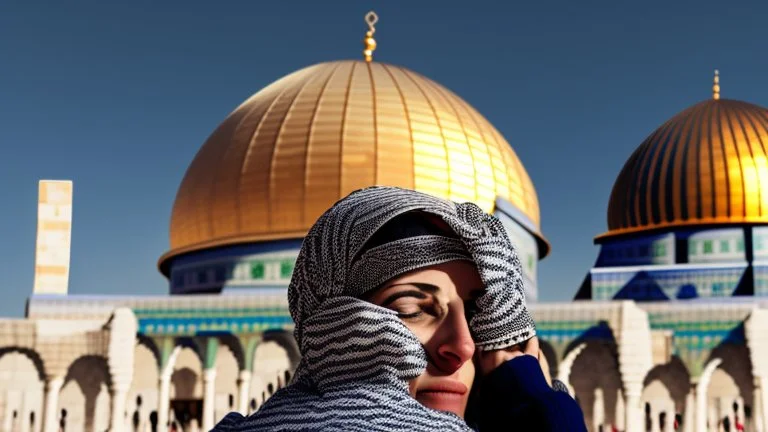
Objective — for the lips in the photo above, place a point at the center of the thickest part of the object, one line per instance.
(444, 386)
(444, 395)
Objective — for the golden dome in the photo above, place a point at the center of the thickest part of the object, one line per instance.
(305, 141)
(706, 165)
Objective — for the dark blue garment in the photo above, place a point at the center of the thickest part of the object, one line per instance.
(516, 397)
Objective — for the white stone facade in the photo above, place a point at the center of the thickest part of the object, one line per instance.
(97, 375)
(107, 376)
(635, 381)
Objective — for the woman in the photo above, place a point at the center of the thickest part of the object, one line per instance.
(393, 295)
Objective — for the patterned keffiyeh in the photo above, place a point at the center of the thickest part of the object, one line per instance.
(356, 356)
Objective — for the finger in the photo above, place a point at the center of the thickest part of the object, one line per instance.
(545, 367)
(532, 347)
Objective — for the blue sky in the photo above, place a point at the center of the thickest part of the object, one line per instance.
(118, 97)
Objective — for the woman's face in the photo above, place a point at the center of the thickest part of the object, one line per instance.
(431, 303)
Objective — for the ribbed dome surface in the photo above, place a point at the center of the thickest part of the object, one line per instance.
(297, 146)
(706, 165)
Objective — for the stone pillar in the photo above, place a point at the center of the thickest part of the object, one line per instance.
(633, 409)
(656, 409)
(702, 388)
(635, 348)
(598, 409)
(119, 395)
(564, 369)
(689, 416)
(24, 414)
(713, 419)
(169, 351)
(702, 411)
(51, 408)
(7, 414)
(164, 399)
(243, 390)
(619, 415)
(209, 398)
(760, 406)
(755, 329)
(122, 327)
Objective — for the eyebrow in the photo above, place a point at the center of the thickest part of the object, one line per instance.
(423, 286)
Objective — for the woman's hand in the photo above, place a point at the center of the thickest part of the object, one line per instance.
(487, 361)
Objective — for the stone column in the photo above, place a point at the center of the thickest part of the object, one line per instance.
(713, 417)
(564, 369)
(119, 395)
(51, 408)
(7, 414)
(598, 409)
(209, 398)
(164, 399)
(24, 414)
(243, 390)
(702, 388)
(702, 411)
(122, 327)
(755, 329)
(656, 409)
(619, 415)
(689, 416)
(632, 408)
(760, 408)
(169, 351)
(634, 345)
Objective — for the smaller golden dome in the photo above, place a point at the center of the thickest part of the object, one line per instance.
(706, 165)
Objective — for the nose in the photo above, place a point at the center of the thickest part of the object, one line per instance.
(454, 343)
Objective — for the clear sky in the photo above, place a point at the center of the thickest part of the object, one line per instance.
(118, 97)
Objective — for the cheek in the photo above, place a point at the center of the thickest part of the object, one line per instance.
(413, 385)
(422, 332)
(467, 373)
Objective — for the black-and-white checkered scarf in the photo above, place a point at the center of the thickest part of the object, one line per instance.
(356, 356)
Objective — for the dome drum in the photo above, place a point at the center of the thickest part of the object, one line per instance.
(235, 268)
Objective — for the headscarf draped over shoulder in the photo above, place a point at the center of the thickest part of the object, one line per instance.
(356, 356)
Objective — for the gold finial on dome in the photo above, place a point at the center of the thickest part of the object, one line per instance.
(716, 86)
(369, 42)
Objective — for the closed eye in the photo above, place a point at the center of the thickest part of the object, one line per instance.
(413, 303)
(400, 294)
(407, 304)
